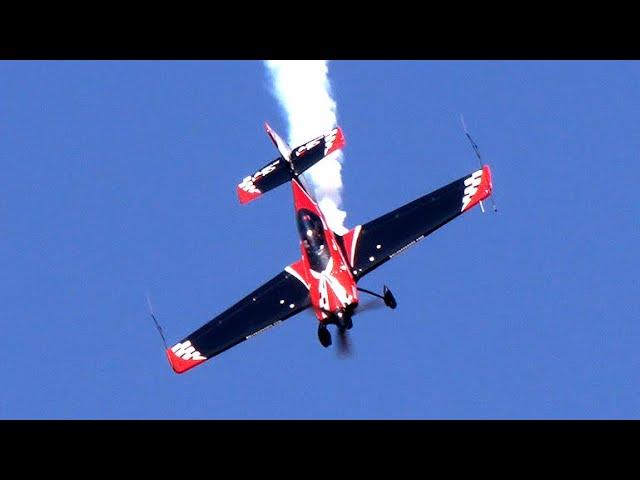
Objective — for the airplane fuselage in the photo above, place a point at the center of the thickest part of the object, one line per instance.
(332, 288)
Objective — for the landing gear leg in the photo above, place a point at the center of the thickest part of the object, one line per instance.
(324, 335)
(387, 296)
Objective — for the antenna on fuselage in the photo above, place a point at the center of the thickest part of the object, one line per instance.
(477, 152)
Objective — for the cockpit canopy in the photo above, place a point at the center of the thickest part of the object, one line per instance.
(313, 239)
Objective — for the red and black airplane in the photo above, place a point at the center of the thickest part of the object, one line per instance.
(325, 277)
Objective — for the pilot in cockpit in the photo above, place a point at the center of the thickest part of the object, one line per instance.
(314, 234)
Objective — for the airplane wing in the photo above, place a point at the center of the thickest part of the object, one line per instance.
(370, 245)
(280, 298)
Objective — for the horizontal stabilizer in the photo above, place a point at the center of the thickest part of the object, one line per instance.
(308, 154)
(267, 178)
(289, 164)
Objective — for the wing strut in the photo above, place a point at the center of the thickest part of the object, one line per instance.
(477, 152)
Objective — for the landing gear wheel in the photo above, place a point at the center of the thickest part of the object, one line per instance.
(389, 299)
(324, 335)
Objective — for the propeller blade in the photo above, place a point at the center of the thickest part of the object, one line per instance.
(155, 320)
(344, 345)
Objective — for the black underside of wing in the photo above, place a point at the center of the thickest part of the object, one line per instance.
(388, 235)
(309, 158)
(280, 298)
(278, 174)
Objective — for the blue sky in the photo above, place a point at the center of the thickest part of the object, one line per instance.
(119, 178)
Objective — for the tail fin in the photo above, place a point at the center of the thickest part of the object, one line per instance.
(290, 163)
(281, 145)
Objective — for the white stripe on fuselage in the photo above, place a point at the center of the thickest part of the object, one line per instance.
(354, 240)
(327, 280)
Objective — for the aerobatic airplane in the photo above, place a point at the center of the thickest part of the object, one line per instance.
(330, 265)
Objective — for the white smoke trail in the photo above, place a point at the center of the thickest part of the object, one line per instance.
(303, 89)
